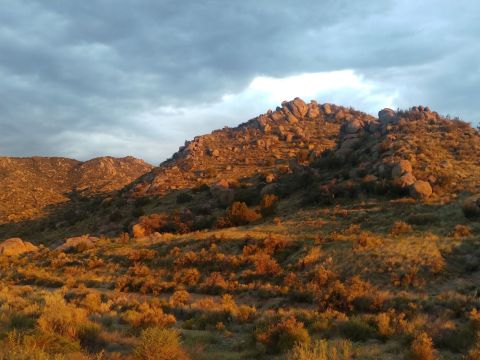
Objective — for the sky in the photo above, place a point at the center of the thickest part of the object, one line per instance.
(86, 78)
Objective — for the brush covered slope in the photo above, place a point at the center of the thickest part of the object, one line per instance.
(362, 242)
(29, 185)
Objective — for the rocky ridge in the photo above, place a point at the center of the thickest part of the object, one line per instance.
(29, 185)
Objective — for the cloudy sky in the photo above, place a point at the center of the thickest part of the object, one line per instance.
(138, 77)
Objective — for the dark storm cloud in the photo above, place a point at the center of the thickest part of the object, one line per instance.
(77, 77)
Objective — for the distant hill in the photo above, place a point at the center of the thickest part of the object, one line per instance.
(28, 185)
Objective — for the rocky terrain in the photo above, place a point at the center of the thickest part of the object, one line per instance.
(310, 232)
(29, 185)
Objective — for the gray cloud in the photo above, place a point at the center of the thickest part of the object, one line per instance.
(81, 78)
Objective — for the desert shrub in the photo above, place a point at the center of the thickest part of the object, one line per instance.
(151, 223)
(345, 297)
(245, 313)
(89, 336)
(399, 228)
(273, 244)
(183, 198)
(214, 283)
(310, 258)
(61, 318)
(18, 347)
(385, 324)
(322, 350)
(240, 214)
(142, 255)
(180, 297)
(473, 354)
(268, 204)
(357, 330)
(160, 344)
(280, 335)
(366, 239)
(249, 196)
(265, 264)
(461, 231)
(323, 276)
(148, 315)
(188, 277)
(422, 348)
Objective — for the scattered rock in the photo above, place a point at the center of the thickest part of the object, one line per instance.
(406, 180)
(401, 168)
(298, 107)
(421, 190)
(292, 119)
(16, 246)
(85, 241)
(327, 109)
(387, 116)
(313, 111)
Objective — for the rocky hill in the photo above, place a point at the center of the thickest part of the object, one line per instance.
(295, 132)
(414, 152)
(29, 185)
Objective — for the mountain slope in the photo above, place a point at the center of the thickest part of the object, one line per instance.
(28, 185)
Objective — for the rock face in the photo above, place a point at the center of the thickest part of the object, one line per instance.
(84, 241)
(16, 246)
